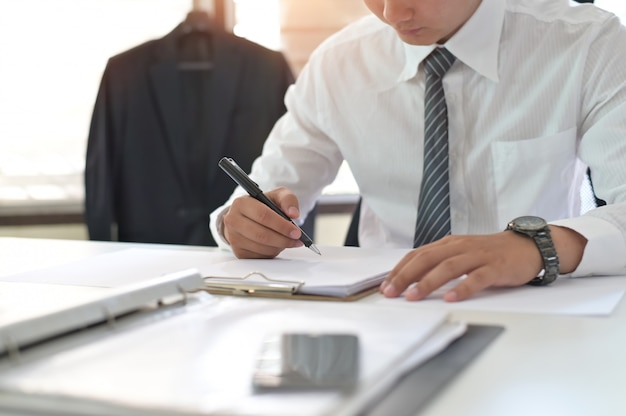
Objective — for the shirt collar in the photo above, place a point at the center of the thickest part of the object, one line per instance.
(476, 44)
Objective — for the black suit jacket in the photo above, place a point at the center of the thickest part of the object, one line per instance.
(136, 174)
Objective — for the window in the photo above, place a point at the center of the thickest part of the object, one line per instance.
(258, 20)
(53, 57)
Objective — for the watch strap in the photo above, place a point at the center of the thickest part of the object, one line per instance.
(544, 242)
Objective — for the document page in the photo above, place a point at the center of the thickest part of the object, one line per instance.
(339, 271)
(121, 267)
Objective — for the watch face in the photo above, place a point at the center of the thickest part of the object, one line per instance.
(530, 223)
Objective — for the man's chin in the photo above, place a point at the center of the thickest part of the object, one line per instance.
(418, 40)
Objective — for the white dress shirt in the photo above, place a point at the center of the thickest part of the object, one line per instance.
(537, 93)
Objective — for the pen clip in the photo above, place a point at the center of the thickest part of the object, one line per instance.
(237, 174)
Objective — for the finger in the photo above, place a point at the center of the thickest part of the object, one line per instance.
(252, 227)
(389, 278)
(262, 244)
(412, 268)
(265, 220)
(250, 239)
(448, 269)
(243, 253)
(286, 200)
(267, 228)
(487, 276)
(477, 280)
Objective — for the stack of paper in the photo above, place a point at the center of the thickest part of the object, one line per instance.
(339, 272)
(201, 362)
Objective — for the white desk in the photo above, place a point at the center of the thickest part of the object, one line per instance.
(541, 364)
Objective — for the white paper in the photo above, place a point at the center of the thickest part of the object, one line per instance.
(588, 296)
(122, 267)
(202, 361)
(339, 271)
(20, 255)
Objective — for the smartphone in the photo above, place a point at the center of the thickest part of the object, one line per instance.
(308, 361)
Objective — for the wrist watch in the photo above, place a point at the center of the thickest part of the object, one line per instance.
(537, 229)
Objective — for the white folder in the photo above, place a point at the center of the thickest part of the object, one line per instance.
(198, 358)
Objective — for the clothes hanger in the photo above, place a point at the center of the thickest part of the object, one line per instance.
(195, 40)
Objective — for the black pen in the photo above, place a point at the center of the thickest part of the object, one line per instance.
(233, 170)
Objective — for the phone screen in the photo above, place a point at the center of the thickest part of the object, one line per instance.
(308, 361)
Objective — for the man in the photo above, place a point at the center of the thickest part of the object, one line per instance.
(536, 91)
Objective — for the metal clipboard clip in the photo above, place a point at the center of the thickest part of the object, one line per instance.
(244, 286)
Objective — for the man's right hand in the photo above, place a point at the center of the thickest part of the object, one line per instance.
(255, 231)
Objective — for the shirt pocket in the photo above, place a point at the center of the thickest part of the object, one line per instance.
(537, 177)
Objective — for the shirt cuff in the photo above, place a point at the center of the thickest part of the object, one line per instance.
(604, 252)
(216, 224)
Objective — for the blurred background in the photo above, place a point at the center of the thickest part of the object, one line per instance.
(52, 57)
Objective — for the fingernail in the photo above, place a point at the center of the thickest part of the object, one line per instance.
(293, 212)
(383, 285)
(412, 293)
(451, 296)
(390, 291)
(295, 234)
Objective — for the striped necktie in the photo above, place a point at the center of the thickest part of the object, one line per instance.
(433, 216)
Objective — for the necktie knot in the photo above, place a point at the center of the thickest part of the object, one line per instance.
(438, 62)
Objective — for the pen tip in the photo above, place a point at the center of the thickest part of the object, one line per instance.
(315, 249)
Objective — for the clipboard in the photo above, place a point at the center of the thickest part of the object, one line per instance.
(342, 274)
(271, 288)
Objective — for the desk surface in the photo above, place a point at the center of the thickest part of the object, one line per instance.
(540, 365)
